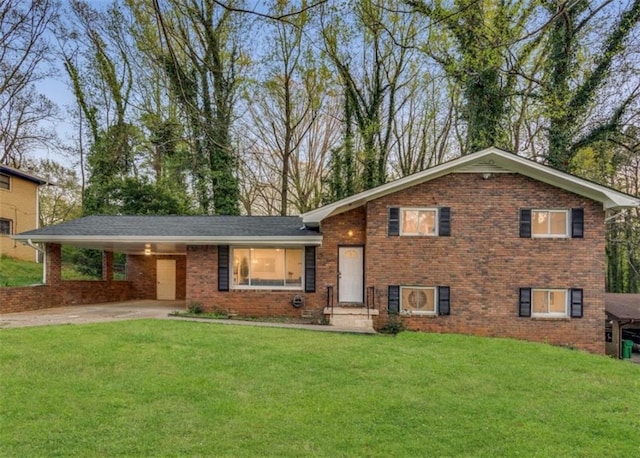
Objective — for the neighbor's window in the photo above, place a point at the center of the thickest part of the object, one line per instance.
(418, 221)
(5, 226)
(418, 300)
(5, 181)
(549, 223)
(267, 267)
(549, 302)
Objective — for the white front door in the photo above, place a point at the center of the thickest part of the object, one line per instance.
(351, 274)
(166, 279)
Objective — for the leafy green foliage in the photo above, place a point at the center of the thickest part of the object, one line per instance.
(571, 84)
(131, 196)
(149, 388)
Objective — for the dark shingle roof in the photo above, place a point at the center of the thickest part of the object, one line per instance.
(178, 226)
(25, 175)
(623, 306)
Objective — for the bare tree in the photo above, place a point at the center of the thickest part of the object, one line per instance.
(24, 53)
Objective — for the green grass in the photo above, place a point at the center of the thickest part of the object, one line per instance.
(165, 388)
(14, 272)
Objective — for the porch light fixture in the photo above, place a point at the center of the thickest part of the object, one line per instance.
(350, 233)
(147, 249)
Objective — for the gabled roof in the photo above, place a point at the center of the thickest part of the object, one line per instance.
(171, 234)
(24, 175)
(490, 160)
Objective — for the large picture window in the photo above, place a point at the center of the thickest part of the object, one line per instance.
(267, 267)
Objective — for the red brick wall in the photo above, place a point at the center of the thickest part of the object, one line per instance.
(58, 292)
(485, 261)
(202, 288)
(65, 293)
(141, 273)
(335, 233)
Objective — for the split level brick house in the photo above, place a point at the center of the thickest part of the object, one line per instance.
(19, 210)
(490, 244)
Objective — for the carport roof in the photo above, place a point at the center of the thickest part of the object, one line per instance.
(171, 234)
(622, 306)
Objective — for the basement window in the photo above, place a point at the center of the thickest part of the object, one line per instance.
(418, 300)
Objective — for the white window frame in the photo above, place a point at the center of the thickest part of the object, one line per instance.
(567, 296)
(232, 279)
(10, 226)
(419, 312)
(8, 180)
(549, 235)
(419, 209)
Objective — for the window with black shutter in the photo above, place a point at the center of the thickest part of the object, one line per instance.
(524, 308)
(310, 269)
(444, 300)
(394, 221)
(393, 305)
(223, 268)
(576, 303)
(525, 222)
(444, 222)
(577, 223)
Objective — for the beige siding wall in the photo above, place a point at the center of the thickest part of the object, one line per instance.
(19, 204)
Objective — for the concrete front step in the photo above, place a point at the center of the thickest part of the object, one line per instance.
(356, 318)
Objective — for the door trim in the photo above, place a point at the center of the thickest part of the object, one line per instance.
(171, 286)
(361, 301)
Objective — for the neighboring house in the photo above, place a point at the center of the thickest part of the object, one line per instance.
(490, 244)
(19, 210)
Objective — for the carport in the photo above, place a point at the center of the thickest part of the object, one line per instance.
(623, 312)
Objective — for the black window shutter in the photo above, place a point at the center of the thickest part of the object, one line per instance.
(524, 308)
(394, 221)
(223, 268)
(444, 300)
(525, 223)
(577, 223)
(444, 221)
(394, 299)
(310, 269)
(576, 303)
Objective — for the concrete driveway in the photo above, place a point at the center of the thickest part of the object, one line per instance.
(92, 313)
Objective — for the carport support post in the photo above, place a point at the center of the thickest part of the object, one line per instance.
(53, 263)
(107, 265)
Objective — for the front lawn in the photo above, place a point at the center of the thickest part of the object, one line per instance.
(150, 388)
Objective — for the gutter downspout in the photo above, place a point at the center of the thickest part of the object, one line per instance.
(44, 259)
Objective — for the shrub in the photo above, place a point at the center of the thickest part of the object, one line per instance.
(196, 308)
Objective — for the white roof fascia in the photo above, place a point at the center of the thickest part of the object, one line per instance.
(253, 240)
(610, 198)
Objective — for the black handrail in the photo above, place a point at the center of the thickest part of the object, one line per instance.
(330, 298)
